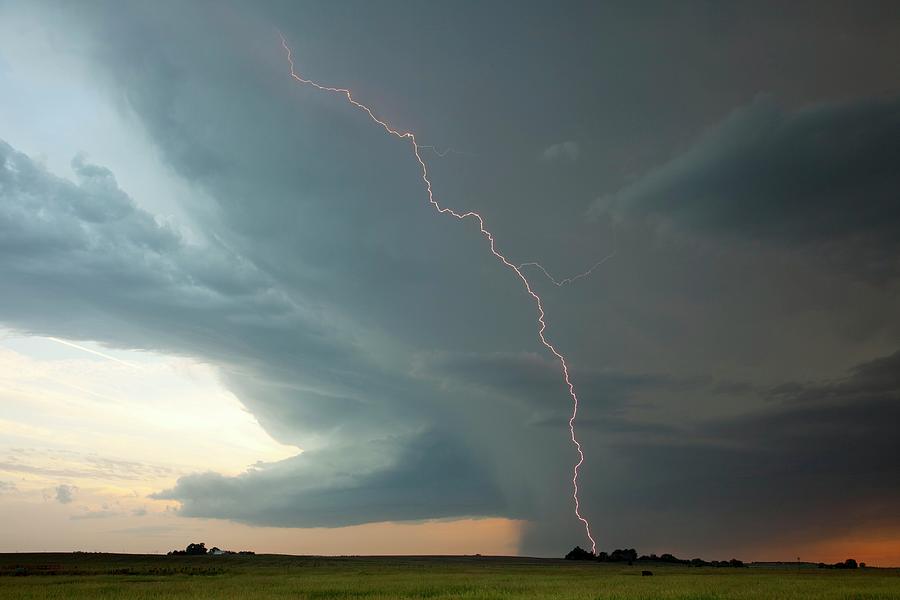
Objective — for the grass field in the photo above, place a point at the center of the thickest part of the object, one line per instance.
(77, 576)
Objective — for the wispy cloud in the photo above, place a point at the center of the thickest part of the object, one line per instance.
(101, 513)
(94, 352)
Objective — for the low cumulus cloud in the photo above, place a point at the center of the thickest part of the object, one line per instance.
(65, 493)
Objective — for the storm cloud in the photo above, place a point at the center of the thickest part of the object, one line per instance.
(389, 480)
(824, 174)
(724, 369)
(106, 254)
(818, 454)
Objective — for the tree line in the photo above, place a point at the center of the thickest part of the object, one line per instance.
(630, 556)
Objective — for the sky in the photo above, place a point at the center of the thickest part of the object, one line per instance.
(228, 313)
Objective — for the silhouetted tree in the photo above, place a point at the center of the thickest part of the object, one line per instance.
(623, 555)
(669, 558)
(630, 556)
(196, 549)
(847, 564)
(579, 553)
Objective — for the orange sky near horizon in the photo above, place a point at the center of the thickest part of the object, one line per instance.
(874, 549)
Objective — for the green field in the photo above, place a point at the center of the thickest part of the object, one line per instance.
(76, 576)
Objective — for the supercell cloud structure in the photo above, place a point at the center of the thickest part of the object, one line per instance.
(738, 354)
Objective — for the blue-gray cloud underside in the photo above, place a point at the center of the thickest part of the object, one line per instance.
(425, 477)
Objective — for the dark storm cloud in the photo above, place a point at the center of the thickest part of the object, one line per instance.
(821, 455)
(565, 151)
(530, 379)
(389, 344)
(523, 372)
(822, 174)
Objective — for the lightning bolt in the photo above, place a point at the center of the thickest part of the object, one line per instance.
(573, 278)
(410, 137)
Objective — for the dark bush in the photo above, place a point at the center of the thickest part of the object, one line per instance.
(623, 555)
(847, 564)
(191, 550)
(579, 553)
(196, 549)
